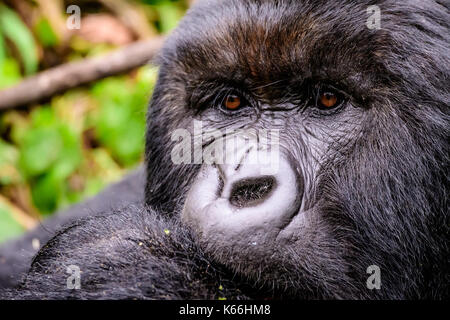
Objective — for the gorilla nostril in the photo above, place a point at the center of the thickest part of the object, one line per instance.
(251, 191)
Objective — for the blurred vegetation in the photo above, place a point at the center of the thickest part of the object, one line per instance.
(58, 153)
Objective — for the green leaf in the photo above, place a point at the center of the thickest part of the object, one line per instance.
(8, 163)
(43, 117)
(40, 148)
(9, 72)
(50, 151)
(70, 156)
(44, 31)
(120, 124)
(2, 48)
(15, 30)
(8, 153)
(9, 227)
(47, 192)
(169, 16)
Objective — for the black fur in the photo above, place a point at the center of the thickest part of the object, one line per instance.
(379, 195)
(132, 254)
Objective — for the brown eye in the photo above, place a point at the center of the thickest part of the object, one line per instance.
(232, 102)
(328, 100)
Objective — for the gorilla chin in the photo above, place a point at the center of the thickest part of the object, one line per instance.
(360, 181)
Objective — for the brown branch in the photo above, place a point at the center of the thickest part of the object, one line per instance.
(70, 75)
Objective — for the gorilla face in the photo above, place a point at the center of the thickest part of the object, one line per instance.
(360, 141)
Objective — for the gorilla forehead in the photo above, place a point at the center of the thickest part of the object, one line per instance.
(248, 42)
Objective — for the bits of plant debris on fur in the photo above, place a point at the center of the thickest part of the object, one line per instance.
(167, 231)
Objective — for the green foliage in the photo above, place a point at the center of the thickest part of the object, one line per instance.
(169, 11)
(59, 153)
(50, 151)
(47, 145)
(9, 72)
(2, 48)
(9, 155)
(169, 15)
(9, 227)
(16, 31)
(44, 31)
(120, 122)
(9, 68)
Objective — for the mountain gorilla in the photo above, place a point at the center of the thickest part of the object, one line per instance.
(361, 184)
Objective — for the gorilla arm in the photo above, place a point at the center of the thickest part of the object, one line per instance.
(133, 253)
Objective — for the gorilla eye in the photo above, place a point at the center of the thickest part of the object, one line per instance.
(327, 99)
(232, 102)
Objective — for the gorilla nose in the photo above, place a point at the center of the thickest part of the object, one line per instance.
(245, 185)
(244, 196)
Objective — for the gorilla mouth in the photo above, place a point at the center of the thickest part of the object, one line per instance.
(251, 191)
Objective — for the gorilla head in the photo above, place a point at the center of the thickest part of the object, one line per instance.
(361, 117)
(291, 149)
